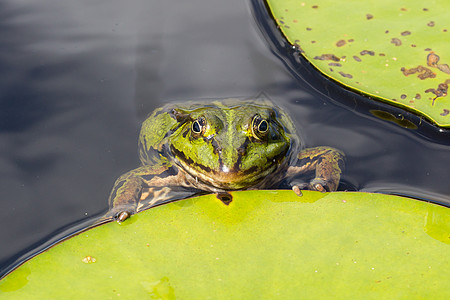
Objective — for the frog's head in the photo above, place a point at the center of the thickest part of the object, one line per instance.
(232, 146)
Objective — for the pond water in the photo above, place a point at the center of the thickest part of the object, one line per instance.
(78, 77)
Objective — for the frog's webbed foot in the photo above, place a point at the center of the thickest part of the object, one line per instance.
(125, 197)
(314, 185)
(120, 213)
(327, 164)
(143, 188)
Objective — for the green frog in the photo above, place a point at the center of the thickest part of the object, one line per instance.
(218, 147)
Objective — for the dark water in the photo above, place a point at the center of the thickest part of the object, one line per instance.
(78, 77)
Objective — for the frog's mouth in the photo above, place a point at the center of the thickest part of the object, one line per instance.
(259, 174)
(233, 178)
(226, 178)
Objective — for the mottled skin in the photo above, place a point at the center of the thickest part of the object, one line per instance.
(217, 147)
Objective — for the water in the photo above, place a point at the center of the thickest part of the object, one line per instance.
(78, 77)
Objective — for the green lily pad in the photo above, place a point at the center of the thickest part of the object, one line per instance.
(264, 244)
(394, 51)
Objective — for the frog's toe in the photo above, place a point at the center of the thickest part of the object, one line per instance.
(319, 185)
(297, 187)
(297, 190)
(122, 216)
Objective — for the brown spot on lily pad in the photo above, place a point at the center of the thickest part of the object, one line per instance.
(403, 96)
(444, 68)
(431, 24)
(327, 57)
(335, 65)
(445, 112)
(340, 43)
(345, 75)
(441, 91)
(432, 59)
(423, 72)
(417, 96)
(396, 42)
(308, 28)
(404, 33)
(356, 58)
(367, 52)
(369, 16)
(225, 197)
(315, 6)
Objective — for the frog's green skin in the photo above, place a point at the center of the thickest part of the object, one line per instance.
(217, 147)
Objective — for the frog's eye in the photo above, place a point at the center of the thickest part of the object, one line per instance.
(198, 126)
(260, 127)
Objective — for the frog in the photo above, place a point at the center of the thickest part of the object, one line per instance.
(217, 147)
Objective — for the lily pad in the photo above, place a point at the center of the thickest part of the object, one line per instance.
(394, 51)
(264, 244)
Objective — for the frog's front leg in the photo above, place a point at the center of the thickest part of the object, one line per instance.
(125, 198)
(326, 162)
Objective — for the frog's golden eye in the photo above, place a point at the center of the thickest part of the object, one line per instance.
(260, 127)
(198, 126)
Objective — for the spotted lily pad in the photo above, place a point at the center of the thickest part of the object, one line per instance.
(262, 244)
(394, 51)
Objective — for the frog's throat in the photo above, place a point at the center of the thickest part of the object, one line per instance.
(230, 180)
